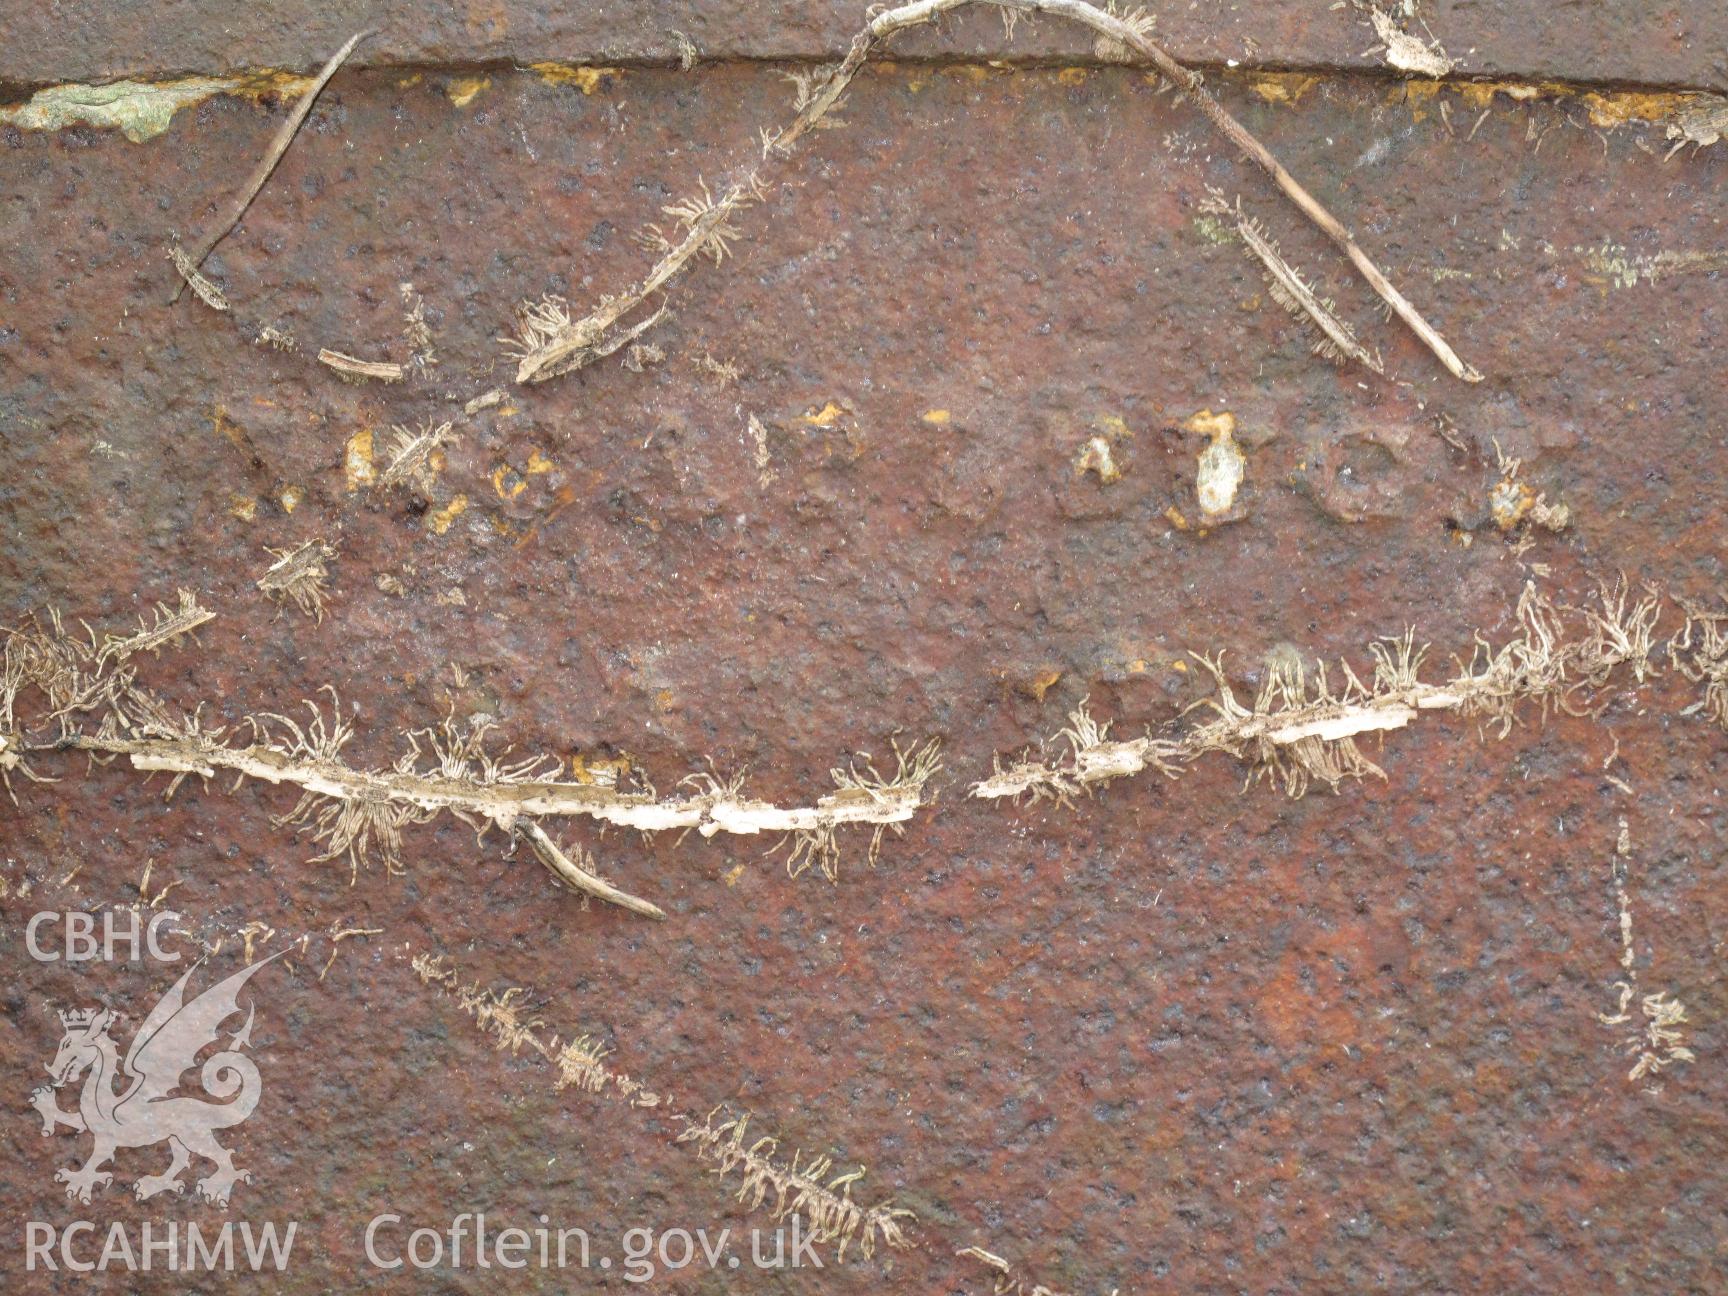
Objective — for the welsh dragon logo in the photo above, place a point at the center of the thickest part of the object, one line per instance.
(148, 1110)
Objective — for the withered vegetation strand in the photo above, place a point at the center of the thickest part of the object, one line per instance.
(1700, 653)
(808, 1187)
(354, 368)
(1336, 340)
(92, 702)
(412, 454)
(261, 172)
(207, 292)
(1005, 1281)
(76, 677)
(550, 342)
(1303, 727)
(300, 576)
(1659, 1040)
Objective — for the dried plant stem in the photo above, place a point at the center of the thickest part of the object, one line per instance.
(1299, 729)
(567, 870)
(566, 345)
(507, 802)
(164, 627)
(352, 367)
(810, 1190)
(299, 574)
(1294, 293)
(807, 1187)
(278, 146)
(95, 705)
(207, 292)
(411, 455)
(1658, 1041)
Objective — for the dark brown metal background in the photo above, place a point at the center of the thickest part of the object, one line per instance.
(1184, 1037)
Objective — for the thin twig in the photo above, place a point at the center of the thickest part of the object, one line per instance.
(278, 146)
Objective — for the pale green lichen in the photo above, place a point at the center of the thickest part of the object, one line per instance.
(140, 111)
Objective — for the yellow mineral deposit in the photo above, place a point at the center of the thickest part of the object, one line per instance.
(357, 470)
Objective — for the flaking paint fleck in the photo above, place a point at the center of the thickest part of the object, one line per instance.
(439, 521)
(827, 416)
(139, 110)
(464, 90)
(585, 79)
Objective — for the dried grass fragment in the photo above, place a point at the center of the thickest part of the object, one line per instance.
(413, 455)
(579, 873)
(415, 331)
(300, 575)
(807, 1187)
(1409, 53)
(759, 455)
(1658, 1042)
(352, 368)
(157, 628)
(278, 146)
(207, 292)
(1335, 339)
(724, 371)
(804, 1187)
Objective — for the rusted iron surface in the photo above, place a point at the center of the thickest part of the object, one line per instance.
(1677, 44)
(1186, 1036)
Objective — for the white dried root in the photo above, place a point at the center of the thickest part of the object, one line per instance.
(97, 707)
(1300, 728)
(1336, 340)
